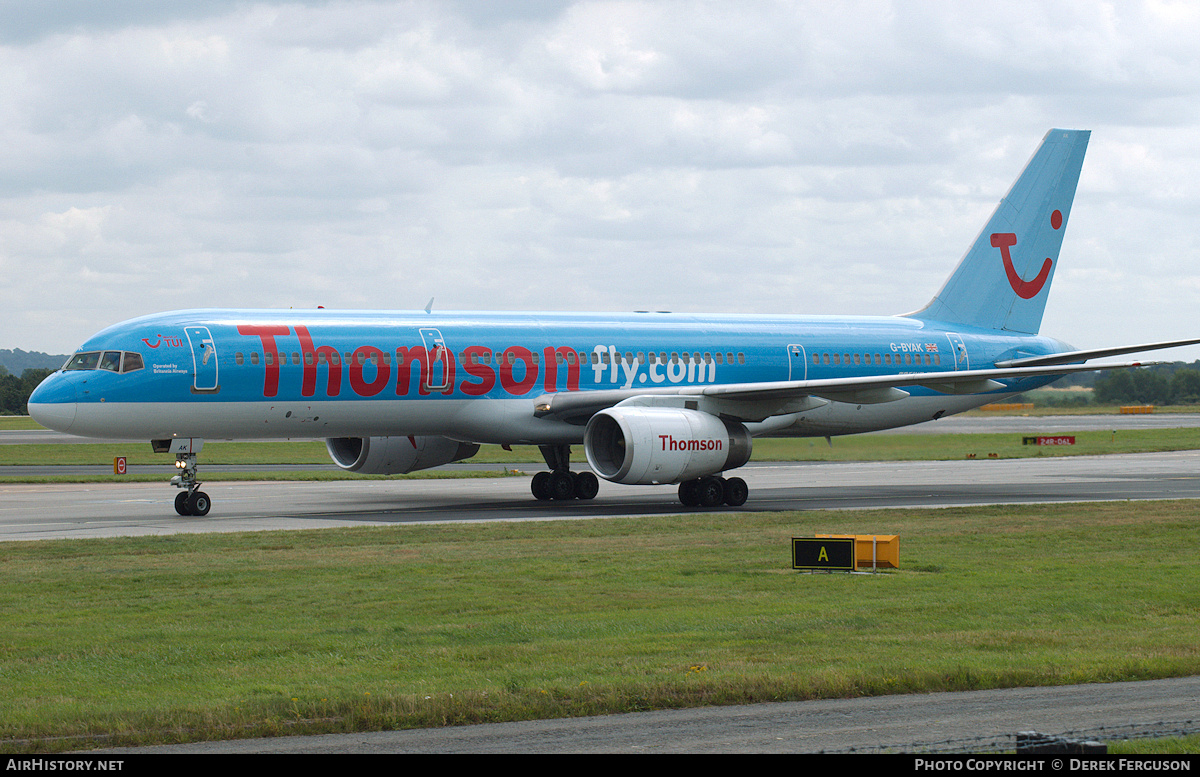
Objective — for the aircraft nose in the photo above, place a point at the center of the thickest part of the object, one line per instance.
(52, 403)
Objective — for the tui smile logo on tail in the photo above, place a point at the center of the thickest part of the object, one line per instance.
(1024, 289)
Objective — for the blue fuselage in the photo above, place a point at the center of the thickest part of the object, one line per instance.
(479, 376)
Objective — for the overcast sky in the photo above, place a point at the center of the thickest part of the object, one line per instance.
(774, 157)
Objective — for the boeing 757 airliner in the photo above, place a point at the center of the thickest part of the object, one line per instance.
(654, 398)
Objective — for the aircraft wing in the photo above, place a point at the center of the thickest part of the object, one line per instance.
(757, 401)
(1071, 357)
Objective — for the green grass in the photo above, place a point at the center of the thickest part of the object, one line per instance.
(18, 422)
(1156, 746)
(206, 636)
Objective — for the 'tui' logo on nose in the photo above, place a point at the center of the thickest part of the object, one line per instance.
(1024, 289)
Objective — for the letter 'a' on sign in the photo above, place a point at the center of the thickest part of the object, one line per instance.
(830, 553)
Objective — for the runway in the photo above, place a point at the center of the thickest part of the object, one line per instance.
(33, 512)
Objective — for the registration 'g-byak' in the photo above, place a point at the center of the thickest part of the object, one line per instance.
(654, 398)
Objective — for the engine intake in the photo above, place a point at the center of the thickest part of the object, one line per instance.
(396, 455)
(651, 445)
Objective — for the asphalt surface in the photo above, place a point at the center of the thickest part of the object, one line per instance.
(30, 511)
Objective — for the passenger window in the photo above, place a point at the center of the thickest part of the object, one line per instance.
(741, 358)
(816, 358)
(837, 358)
(238, 358)
(254, 357)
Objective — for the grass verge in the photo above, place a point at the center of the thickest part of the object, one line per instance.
(188, 637)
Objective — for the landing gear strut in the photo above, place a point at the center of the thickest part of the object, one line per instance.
(560, 483)
(713, 490)
(190, 501)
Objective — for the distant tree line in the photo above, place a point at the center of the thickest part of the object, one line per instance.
(17, 361)
(1149, 386)
(15, 391)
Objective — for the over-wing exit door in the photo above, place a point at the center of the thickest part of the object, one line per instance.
(797, 364)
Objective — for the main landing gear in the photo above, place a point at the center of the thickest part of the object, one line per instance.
(560, 483)
(190, 501)
(713, 490)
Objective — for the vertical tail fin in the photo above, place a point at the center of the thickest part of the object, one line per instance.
(1003, 280)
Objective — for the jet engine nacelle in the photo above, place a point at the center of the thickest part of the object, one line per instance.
(649, 445)
(396, 455)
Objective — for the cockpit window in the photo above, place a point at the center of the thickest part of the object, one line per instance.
(113, 361)
(83, 361)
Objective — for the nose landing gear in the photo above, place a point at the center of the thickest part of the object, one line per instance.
(191, 500)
